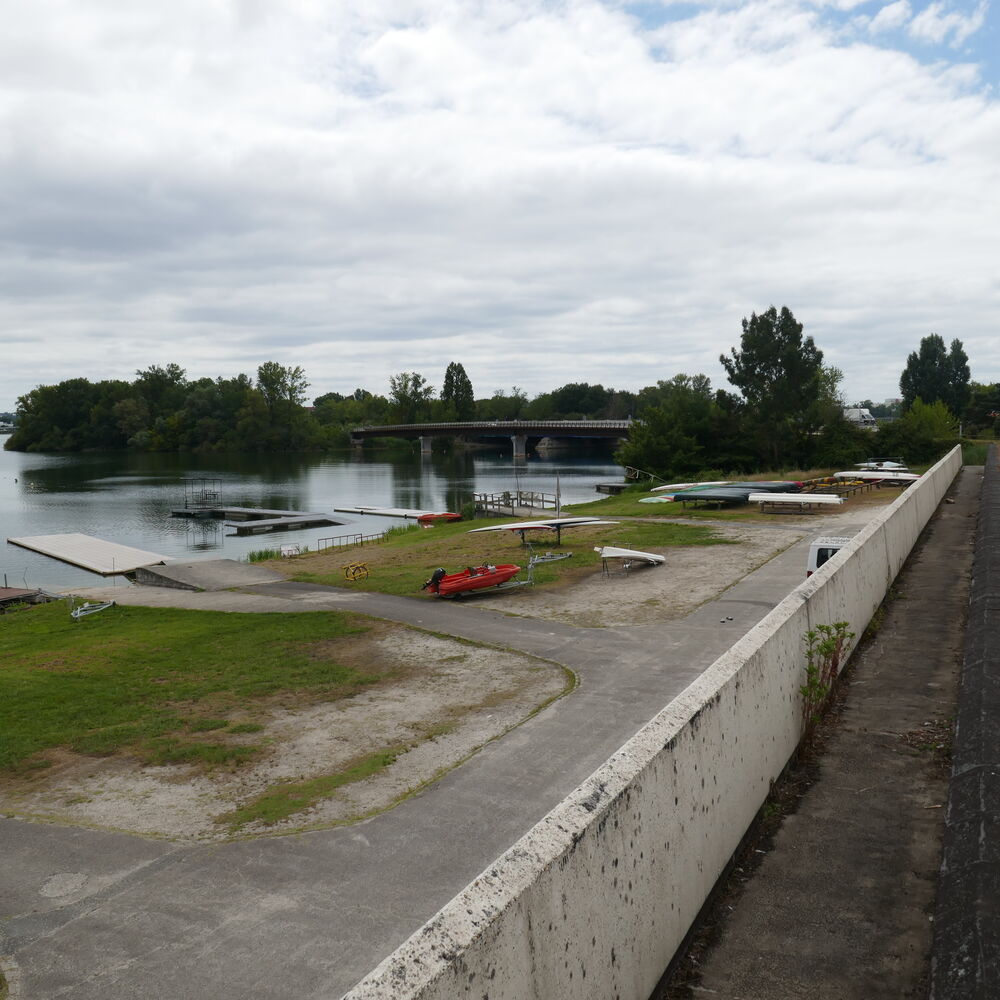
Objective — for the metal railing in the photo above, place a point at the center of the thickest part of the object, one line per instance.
(511, 500)
(348, 541)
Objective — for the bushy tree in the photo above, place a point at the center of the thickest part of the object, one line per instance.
(982, 412)
(162, 388)
(677, 437)
(410, 395)
(504, 406)
(780, 376)
(933, 374)
(924, 432)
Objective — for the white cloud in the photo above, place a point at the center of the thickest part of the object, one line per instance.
(936, 23)
(363, 190)
(891, 17)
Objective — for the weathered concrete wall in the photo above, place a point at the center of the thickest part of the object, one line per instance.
(596, 898)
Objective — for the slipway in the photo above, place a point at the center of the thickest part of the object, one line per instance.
(88, 552)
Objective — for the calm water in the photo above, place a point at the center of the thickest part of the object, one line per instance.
(127, 498)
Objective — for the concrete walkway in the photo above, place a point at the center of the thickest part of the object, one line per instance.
(841, 906)
(89, 914)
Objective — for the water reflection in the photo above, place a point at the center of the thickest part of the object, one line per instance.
(128, 498)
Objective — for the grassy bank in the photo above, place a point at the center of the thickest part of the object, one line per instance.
(169, 686)
(402, 563)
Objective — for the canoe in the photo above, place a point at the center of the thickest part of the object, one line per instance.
(472, 578)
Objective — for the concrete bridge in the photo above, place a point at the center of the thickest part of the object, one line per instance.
(519, 431)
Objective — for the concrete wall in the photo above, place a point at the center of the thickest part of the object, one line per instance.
(594, 901)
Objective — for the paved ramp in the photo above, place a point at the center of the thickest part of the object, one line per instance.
(206, 574)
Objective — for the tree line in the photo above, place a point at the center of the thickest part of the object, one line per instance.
(786, 410)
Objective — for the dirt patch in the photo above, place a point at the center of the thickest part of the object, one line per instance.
(448, 699)
(650, 594)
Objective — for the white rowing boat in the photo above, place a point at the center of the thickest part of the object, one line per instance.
(613, 552)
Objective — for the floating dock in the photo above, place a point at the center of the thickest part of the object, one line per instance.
(87, 552)
(405, 512)
(258, 520)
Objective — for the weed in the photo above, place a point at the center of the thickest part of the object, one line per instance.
(246, 727)
(262, 555)
(826, 647)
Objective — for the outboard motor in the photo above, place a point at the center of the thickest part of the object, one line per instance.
(435, 579)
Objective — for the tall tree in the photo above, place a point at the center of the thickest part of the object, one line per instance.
(457, 392)
(280, 385)
(780, 376)
(932, 374)
(410, 395)
(959, 378)
(926, 373)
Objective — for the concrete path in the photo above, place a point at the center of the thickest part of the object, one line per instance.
(841, 906)
(94, 915)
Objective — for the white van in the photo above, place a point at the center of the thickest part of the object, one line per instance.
(821, 550)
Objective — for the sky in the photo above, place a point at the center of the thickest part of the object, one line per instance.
(546, 192)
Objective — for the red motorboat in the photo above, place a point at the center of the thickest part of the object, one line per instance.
(473, 578)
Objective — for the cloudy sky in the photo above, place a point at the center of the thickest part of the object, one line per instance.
(547, 192)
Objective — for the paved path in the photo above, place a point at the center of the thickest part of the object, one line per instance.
(91, 915)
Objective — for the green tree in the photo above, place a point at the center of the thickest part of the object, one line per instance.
(982, 412)
(923, 433)
(677, 437)
(505, 406)
(574, 401)
(457, 392)
(780, 376)
(162, 389)
(281, 387)
(410, 396)
(959, 378)
(933, 374)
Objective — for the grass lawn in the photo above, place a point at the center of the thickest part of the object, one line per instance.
(167, 685)
(402, 563)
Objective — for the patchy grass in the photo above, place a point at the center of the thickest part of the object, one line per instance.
(401, 565)
(285, 799)
(149, 681)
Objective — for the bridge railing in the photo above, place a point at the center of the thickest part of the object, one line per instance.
(514, 426)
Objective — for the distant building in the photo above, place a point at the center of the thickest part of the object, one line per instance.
(860, 416)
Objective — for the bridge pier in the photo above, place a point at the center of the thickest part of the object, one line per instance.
(426, 441)
(520, 442)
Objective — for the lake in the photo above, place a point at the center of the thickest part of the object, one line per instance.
(127, 497)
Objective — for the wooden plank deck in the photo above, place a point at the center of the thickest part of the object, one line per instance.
(88, 552)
